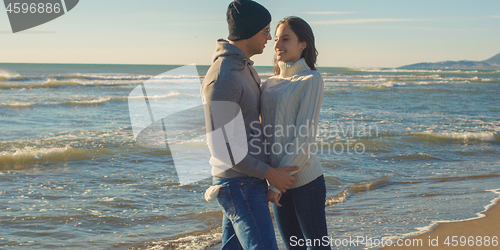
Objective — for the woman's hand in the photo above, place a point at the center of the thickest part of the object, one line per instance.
(273, 197)
(280, 177)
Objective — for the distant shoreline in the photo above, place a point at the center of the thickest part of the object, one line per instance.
(491, 63)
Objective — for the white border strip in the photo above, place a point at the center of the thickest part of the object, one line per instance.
(64, 6)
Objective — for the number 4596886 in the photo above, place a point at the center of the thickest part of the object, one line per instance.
(471, 241)
(33, 8)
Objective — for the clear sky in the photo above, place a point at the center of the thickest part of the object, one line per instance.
(349, 33)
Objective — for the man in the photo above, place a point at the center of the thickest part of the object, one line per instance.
(241, 189)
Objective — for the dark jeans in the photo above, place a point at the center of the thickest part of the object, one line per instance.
(301, 216)
(246, 223)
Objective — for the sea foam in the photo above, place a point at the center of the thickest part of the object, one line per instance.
(23, 158)
(462, 136)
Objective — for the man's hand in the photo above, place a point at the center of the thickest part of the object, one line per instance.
(280, 178)
(273, 197)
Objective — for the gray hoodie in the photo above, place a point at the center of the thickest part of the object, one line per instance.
(232, 78)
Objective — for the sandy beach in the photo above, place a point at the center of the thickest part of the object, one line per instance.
(469, 234)
(480, 233)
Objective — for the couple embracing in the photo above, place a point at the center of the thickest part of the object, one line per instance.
(278, 166)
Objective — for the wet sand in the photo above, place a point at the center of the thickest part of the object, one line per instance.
(442, 236)
(487, 226)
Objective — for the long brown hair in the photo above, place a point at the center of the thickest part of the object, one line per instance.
(305, 34)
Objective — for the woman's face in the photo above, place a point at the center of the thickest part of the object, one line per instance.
(287, 45)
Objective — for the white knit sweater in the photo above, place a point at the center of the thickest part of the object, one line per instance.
(290, 106)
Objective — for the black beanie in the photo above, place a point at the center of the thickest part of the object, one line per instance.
(246, 18)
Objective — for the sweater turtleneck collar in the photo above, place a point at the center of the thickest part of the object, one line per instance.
(288, 69)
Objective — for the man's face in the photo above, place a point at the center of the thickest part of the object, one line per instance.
(257, 43)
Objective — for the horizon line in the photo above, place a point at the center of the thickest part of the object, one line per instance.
(141, 64)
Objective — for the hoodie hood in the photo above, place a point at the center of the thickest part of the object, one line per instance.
(230, 52)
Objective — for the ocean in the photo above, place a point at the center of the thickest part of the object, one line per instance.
(401, 150)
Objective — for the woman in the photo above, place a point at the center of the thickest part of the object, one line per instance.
(290, 106)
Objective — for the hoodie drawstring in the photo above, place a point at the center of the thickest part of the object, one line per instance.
(244, 66)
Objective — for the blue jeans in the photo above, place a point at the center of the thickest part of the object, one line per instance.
(246, 223)
(302, 216)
